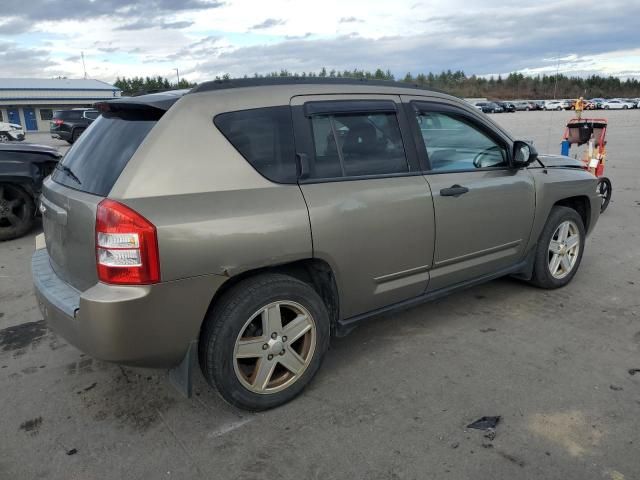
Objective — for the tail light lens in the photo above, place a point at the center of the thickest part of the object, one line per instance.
(126, 246)
(58, 121)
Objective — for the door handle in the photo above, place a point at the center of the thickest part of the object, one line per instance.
(453, 191)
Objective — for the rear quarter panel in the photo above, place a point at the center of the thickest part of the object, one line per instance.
(215, 214)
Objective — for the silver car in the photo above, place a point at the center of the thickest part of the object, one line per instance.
(242, 224)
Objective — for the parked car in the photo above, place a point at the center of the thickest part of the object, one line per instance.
(157, 263)
(68, 125)
(11, 132)
(23, 167)
(616, 104)
(539, 104)
(507, 106)
(597, 103)
(557, 105)
(638, 105)
(489, 107)
(525, 106)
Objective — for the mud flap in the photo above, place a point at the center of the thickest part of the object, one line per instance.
(181, 376)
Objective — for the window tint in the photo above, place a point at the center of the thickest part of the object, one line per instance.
(68, 114)
(96, 160)
(46, 114)
(454, 143)
(264, 136)
(91, 114)
(357, 144)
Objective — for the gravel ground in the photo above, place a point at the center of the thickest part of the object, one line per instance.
(392, 399)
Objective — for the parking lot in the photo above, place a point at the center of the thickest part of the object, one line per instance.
(393, 398)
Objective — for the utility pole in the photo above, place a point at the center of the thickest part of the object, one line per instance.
(84, 67)
(178, 75)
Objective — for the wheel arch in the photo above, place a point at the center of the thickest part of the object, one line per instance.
(580, 204)
(313, 271)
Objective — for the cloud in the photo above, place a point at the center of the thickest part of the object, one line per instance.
(14, 26)
(350, 20)
(24, 62)
(48, 10)
(268, 23)
(143, 24)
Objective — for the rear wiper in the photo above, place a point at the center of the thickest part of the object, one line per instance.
(69, 172)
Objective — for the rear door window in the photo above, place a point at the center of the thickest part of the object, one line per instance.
(96, 160)
(264, 137)
(357, 144)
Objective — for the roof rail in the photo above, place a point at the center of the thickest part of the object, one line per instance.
(271, 81)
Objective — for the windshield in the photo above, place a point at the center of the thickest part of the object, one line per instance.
(97, 159)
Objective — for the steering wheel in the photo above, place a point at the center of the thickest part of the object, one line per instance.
(477, 160)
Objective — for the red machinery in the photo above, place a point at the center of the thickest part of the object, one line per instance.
(593, 133)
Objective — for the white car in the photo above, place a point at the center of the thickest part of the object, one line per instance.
(616, 104)
(11, 132)
(556, 105)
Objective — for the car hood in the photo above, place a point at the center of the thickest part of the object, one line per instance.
(554, 161)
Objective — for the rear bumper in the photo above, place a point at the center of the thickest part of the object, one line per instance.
(61, 135)
(149, 326)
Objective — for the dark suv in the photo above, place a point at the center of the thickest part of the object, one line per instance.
(69, 124)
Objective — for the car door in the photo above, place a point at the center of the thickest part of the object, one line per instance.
(370, 208)
(483, 207)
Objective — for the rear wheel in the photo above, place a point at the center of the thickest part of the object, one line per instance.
(559, 249)
(76, 134)
(16, 211)
(624, 107)
(264, 340)
(604, 190)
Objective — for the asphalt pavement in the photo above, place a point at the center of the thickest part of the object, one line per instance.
(392, 400)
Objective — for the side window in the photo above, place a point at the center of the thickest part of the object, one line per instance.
(264, 136)
(454, 143)
(356, 144)
(91, 114)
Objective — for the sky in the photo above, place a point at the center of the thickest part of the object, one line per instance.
(209, 38)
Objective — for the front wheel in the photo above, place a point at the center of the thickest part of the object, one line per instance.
(604, 191)
(560, 249)
(4, 137)
(264, 341)
(17, 211)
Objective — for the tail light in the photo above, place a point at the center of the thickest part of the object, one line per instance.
(126, 246)
(58, 121)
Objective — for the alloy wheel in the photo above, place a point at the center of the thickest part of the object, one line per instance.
(564, 248)
(13, 208)
(4, 137)
(274, 347)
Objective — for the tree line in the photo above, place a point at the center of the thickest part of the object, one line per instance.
(510, 87)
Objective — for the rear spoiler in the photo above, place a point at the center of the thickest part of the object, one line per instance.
(158, 102)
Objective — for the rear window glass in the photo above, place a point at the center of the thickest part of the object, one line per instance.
(263, 136)
(98, 157)
(68, 114)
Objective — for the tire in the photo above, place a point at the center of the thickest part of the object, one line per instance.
(17, 211)
(527, 109)
(559, 108)
(606, 107)
(543, 264)
(605, 191)
(4, 137)
(76, 134)
(230, 320)
(624, 107)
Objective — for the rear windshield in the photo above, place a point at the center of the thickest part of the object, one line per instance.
(98, 157)
(68, 114)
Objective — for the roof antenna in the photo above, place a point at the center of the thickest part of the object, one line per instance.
(84, 67)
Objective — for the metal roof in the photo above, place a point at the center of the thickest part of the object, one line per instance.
(54, 84)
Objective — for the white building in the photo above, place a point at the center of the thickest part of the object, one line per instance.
(31, 102)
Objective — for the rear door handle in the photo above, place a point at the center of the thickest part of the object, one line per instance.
(453, 191)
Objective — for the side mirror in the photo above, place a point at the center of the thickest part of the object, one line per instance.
(523, 154)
